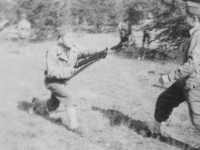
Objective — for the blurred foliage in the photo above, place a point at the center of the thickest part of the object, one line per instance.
(169, 23)
(100, 15)
(3, 5)
(5, 10)
(93, 12)
(134, 10)
(44, 15)
(47, 15)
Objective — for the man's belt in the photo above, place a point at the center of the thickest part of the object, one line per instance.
(82, 64)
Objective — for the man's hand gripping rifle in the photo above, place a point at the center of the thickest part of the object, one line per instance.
(84, 63)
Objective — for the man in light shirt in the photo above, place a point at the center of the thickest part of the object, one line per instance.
(125, 32)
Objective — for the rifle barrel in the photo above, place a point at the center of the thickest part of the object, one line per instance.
(91, 58)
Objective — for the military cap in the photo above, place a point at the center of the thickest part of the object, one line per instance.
(64, 30)
(193, 7)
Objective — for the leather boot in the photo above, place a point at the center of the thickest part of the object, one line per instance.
(40, 107)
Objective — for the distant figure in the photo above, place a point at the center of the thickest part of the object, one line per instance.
(124, 28)
(146, 35)
(24, 30)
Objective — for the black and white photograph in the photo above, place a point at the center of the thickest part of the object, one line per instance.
(100, 74)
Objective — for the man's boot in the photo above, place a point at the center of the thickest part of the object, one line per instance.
(154, 130)
(40, 107)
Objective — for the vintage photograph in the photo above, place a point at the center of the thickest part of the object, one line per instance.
(100, 74)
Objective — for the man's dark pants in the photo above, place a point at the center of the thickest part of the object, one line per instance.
(175, 95)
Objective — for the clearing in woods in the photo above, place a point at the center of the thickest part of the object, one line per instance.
(116, 94)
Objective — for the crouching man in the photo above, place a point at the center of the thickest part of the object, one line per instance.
(60, 61)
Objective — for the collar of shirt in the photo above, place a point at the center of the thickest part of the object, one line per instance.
(194, 29)
(62, 53)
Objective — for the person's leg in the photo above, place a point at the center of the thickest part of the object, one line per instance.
(126, 40)
(143, 46)
(123, 41)
(131, 40)
(119, 45)
(143, 39)
(52, 103)
(148, 40)
(61, 94)
(71, 113)
(165, 104)
(67, 97)
(193, 100)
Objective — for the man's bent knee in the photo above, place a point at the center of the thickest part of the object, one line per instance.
(53, 104)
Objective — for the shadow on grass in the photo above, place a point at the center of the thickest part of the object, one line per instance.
(133, 52)
(141, 128)
(26, 106)
(159, 86)
(140, 53)
(127, 53)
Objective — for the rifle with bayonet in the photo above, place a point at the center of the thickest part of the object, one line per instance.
(82, 64)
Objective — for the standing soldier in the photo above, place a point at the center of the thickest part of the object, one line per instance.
(146, 35)
(61, 60)
(124, 28)
(24, 30)
(187, 76)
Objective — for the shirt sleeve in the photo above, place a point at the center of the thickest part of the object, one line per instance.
(84, 52)
(56, 71)
(190, 67)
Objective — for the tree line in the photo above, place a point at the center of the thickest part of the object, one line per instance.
(47, 15)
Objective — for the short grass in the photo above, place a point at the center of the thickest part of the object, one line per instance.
(117, 82)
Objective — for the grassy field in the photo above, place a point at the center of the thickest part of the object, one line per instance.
(115, 95)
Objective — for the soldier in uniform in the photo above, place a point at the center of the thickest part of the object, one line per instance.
(60, 61)
(187, 76)
(124, 28)
(146, 34)
(24, 30)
